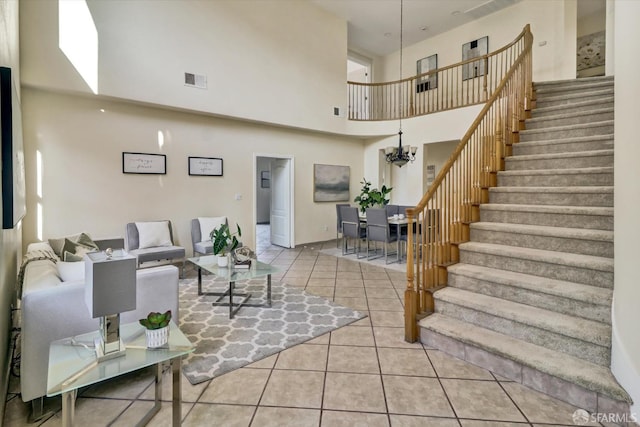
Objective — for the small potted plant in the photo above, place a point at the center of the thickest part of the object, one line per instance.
(157, 328)
(224, 241)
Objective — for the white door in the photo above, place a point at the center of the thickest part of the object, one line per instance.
(281, 203)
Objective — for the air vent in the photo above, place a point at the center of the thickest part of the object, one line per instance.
(338, 112)
(195, 80)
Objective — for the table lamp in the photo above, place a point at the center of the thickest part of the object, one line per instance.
(110, 289)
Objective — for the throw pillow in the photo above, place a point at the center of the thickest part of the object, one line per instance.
(153, 234)
(68, 271)
(208, 224)
(83, 238)
(69, 257)
(75, 248)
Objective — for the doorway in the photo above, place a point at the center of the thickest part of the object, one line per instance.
(273, 189)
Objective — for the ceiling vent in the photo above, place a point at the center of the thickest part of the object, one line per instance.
(195, 80)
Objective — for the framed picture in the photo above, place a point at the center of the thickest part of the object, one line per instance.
(14, 205)
(474, 49)
(330, 183)
(425, 65)
(205, 166)
(153, 164)
(265, 179)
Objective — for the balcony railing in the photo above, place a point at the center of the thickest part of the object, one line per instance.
(460, 85)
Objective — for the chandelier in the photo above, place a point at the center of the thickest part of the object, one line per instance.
(400, 155)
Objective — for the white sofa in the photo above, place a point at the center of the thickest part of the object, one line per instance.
(53, 309)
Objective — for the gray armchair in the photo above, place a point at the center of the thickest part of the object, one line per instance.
(200, 230)
(152, 242)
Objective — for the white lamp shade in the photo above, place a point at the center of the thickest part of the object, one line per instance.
(110, 283)
(414, 150)
(389, 150)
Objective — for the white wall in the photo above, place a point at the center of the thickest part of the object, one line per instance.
(625, 356)
(84, 187)
(552, 21)
(260, 64)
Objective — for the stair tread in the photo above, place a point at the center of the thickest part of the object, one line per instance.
(551, 97)
(590, 262)
(586, 86)
(573, 190)
(560, 288)
(543, 230)
(582, 210)
(542, 110)
(569, 368)
(562, 155)
(568, 127)
(570, 171)
(571, 114)
(605, 137)
(590, 331)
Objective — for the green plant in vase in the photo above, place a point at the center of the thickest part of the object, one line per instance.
(372, 197)
(155, 320)
(224, 242)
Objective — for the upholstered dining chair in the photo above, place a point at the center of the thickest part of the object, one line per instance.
(392, 210)
(378, 230)
(339, 221)
(351, 229)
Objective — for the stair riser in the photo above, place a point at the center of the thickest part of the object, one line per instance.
(556, 199)
(566, 121)
(558, 304)
(591, 222)
(568, 147)
(571, 108)
(565, 344)
(549, 101)
(541, 135)
(515, 163)
(603, 279)
(550, 243)
(559, 180)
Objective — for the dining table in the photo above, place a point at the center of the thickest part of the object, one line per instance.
(398, 221)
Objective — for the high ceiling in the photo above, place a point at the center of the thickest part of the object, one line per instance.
(374, 25)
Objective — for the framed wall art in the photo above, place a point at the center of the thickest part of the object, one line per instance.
(265, 179)
(331, 183)
(142, 163)
(474, 49)
(205, 166)
(425, 65)
(14, 205)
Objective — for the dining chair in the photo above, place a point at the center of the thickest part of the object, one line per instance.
(351, 228)
(392, 210)
(339, 221)
(378, 230)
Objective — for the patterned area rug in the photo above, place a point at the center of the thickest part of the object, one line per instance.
(224, 344)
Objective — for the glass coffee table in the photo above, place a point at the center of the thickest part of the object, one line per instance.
(209, 263)
(73, 364)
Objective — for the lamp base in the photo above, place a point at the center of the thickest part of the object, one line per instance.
(109, 344)
(103, 353)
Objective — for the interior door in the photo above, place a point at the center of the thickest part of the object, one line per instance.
(281, 203)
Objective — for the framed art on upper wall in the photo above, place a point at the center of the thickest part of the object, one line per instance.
(14, 205)
(331, 183)
(425, 65)
(474, 49)
(205, 166)
(142, 163)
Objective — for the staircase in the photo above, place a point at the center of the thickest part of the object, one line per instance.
(531, 297)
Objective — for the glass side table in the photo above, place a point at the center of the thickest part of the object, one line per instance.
(72, 365)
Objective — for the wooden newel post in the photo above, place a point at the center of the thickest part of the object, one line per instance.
(410, 294)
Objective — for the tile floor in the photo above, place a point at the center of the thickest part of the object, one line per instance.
(364, 374)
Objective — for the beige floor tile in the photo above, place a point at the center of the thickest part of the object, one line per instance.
(321, 291)
(352, 335)
(305, 357)
(301, 389)
(353, 419)
(299, 282)
(16, 413)
(297, 273)
(242, 386)
(416, 396)
(139, 409)
(285, 417)
(266, 363)
(128, 386)
(387, 292)
(323, 274)
(478, 423)
(377, 283)
(540, 408)
(348, 265)
(349, 275)
(449, 367)
(323, 265)
(354, 392)
(483, 400)
(205, 414)
(349, 283)
(415, 421)
(387, 318)
(366, 321)
(392, 337)
(404, 361)
(353, 359)
(353, 303)
(190, 393)
(322, 339)
(350, 292)
(321, 282)
(89, 410)
(384, 304)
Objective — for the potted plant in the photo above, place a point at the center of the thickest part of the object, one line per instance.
(157, 328)
(371, 197)
(224, 241)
